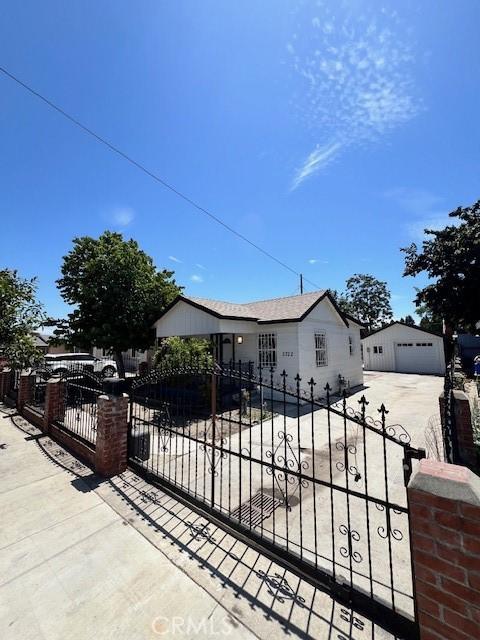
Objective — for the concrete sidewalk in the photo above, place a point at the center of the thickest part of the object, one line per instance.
(82, 557)
(71, 567)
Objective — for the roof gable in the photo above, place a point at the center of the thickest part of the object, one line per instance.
(275, 310)
(404, 324)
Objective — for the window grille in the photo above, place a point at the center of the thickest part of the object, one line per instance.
(321, 349)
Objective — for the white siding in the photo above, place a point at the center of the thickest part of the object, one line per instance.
(340, 362)
(185, 320)
(399, 334)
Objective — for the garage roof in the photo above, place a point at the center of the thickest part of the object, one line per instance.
(403, 324)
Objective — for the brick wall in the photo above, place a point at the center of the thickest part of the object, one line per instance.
(445, 529)
(54, 402)
(25, 389)
(111, 445)
(463, 423)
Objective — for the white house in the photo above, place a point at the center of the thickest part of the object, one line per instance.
(305, 334)
(404, 348)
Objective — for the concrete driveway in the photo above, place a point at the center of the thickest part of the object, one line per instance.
(411, 399)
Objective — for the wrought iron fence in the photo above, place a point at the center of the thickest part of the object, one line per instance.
(37, 402)
(312, 482)
(79, 411)
(12, 392)
(450, 440)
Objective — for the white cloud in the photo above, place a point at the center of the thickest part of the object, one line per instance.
(196, 278)
(359, 86)
(316, 260)
(175, 259)
(200, 266)
(318, 159)
(123, 216)
(313, 260)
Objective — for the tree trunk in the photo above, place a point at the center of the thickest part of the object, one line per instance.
(120, 364)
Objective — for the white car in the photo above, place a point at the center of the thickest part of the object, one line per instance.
(60, 363)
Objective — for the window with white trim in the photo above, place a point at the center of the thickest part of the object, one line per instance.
(321, 359)
(350, 345)
(267, 349)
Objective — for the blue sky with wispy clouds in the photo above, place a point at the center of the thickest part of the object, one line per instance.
(330, 133)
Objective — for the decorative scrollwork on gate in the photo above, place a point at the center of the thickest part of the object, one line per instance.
(218, 454)
(388, 530)
(284, 456)
(341, 465)
(352, 536)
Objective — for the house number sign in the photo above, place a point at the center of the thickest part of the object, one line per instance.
(287, 354)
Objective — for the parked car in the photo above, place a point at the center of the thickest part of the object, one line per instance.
(60, 363)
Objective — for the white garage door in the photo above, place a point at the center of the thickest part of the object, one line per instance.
(416, 357)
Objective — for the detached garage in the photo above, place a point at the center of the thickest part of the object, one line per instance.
(404, 348)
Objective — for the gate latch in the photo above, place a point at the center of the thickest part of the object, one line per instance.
(410, 454)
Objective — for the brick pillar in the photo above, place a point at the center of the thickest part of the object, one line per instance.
(25, 388)
(445, 535)
(112, 430)
(54, 402)
(463, 425)
(5, 377)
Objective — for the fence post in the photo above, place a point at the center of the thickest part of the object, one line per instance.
(112, 429)
(54, 402)
(25, 389)
(5, 377)
(462, 423)
(445, 538)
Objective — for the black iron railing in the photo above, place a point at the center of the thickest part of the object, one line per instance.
(449, 425)
(309, 479)
(79, 412)
(37, 402)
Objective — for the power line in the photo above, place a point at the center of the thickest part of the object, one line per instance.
(149, 173)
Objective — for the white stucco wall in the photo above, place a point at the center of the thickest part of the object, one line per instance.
(389, 337)
(339, 361)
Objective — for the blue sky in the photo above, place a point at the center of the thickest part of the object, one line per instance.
(330, 133)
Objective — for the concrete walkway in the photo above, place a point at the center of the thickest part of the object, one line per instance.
(82, 557)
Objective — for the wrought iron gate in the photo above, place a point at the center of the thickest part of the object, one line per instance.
(81, 389)
(306, 478)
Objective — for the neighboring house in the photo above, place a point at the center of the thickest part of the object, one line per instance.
(404, 348)
(306, 334)
(41, 341)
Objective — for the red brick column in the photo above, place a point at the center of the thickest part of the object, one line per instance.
(54, 402)
(5, 376)
(463, 422)
(25, 388)
(112, 428)
(445, 533)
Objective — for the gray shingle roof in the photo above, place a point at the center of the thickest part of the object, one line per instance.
(288, 308)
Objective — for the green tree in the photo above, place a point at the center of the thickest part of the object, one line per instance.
(451, 259)
(20, 315)
(117, 294)
(369, 300)
(342, 301)
(408, 320)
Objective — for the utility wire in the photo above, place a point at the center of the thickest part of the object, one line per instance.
(155, 177)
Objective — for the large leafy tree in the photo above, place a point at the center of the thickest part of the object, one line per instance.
(20, 315)
(117, 294)
(366, 298)
(451, 259)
